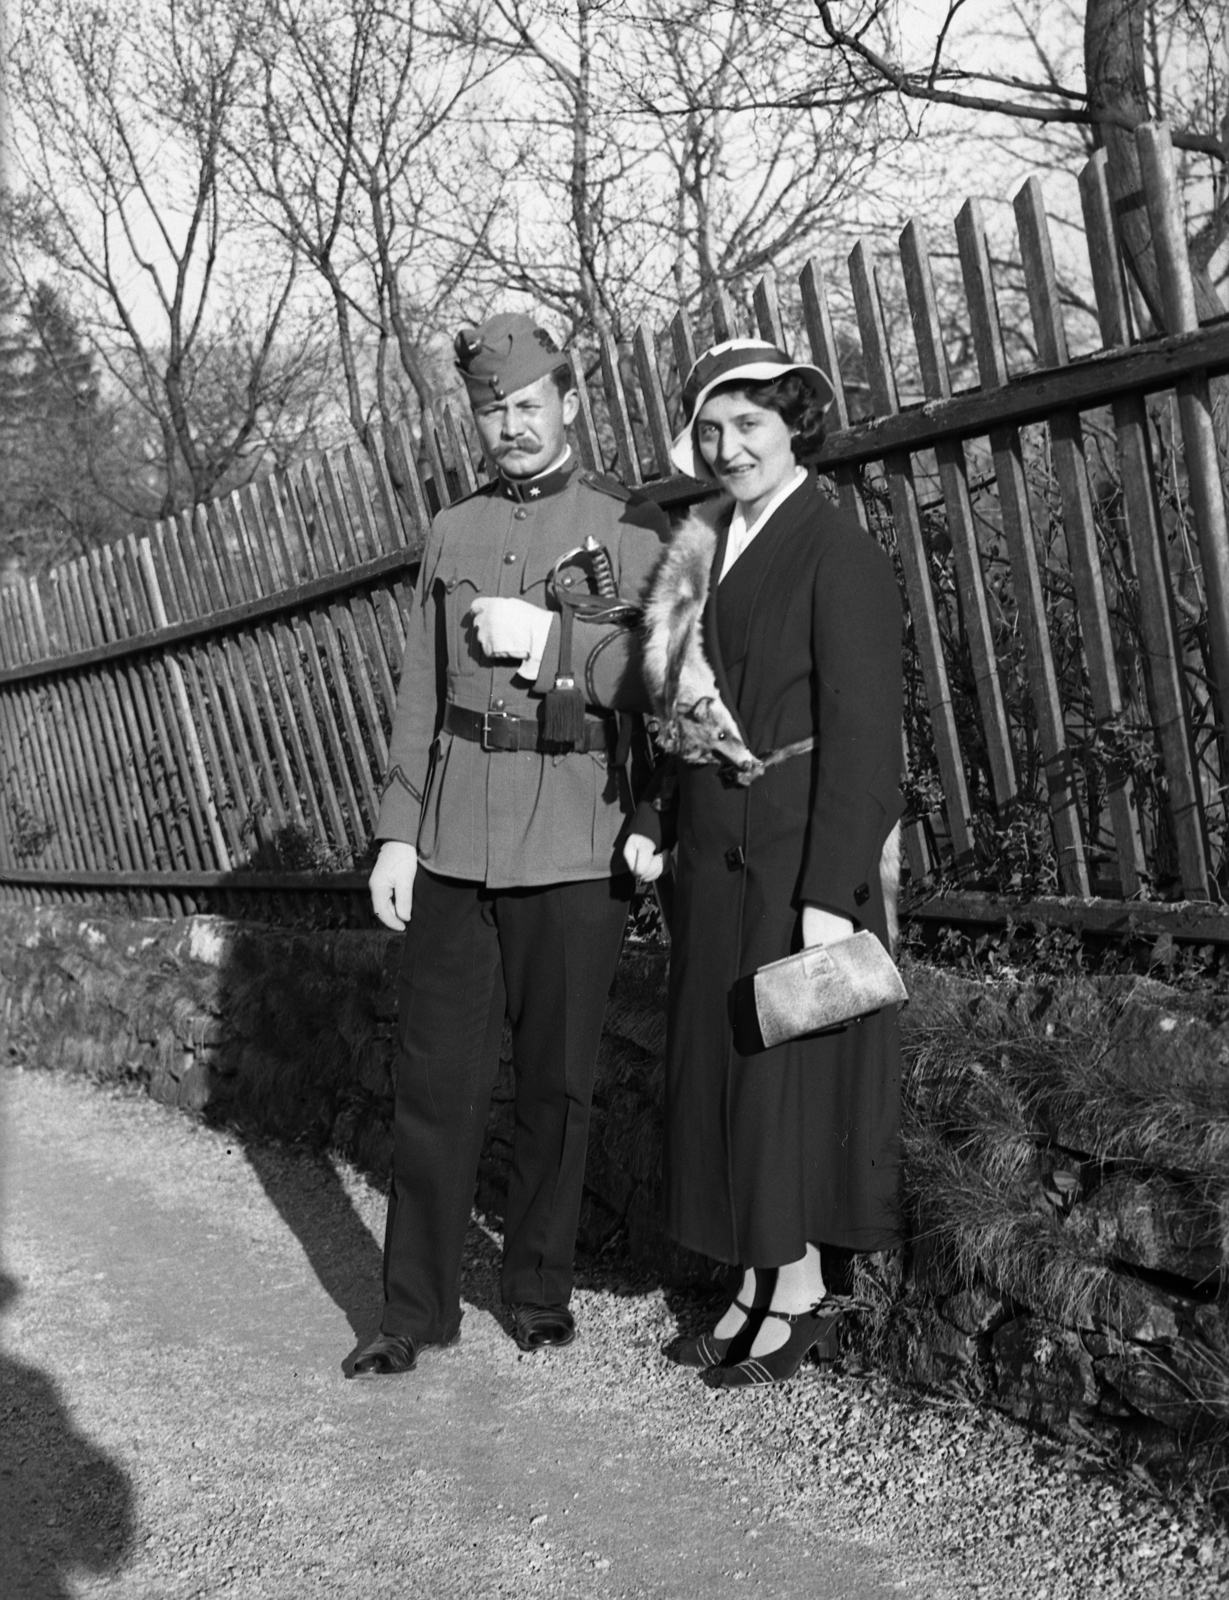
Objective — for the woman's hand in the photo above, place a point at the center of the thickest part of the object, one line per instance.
(823, 927)
(643, 857)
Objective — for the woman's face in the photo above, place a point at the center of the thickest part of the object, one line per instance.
(747, 447)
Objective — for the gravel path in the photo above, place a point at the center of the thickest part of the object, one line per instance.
(174, 1422)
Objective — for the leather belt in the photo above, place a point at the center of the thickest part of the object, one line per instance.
(500, 730)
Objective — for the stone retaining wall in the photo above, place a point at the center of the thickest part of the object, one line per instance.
(291, 1034)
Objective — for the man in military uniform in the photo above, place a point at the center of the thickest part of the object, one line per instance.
(499, 855)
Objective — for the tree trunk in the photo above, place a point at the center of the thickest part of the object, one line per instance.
(1114, 70)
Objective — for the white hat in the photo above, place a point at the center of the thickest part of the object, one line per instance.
(749, 360)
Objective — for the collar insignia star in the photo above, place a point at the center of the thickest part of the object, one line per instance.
(534, 493)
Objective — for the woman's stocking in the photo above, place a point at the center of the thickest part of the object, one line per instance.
(799, 1285)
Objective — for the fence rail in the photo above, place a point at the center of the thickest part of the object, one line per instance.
(202, 715)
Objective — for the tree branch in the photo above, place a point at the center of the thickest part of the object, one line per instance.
(912, 85)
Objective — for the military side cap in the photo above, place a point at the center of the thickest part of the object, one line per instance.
(505, 354)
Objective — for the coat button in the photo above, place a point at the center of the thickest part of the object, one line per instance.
(861, 895)
(510, 558)
(497, 705)
(520, 513)
(735, 857)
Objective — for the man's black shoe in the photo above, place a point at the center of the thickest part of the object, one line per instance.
(388, 1353)
(540, 1327)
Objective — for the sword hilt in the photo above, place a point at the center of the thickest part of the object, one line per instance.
(603, 571)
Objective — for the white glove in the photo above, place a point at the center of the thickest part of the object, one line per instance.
(505, 627)
(824, 927)
(643, 857)
(392, 883)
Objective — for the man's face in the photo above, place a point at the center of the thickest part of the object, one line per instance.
(524, 433)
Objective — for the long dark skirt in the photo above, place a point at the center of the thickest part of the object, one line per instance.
(766, 1150)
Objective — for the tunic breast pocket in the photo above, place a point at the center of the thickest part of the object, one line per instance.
(457, 595)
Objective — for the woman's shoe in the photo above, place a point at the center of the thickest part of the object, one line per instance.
(710, 1351)
(806, 1330)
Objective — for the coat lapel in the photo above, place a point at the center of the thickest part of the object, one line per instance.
(774, 541)
(712, 639)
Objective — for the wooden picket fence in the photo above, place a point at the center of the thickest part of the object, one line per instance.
(199, 718)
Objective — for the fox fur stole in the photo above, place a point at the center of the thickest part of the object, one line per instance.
(692, 720)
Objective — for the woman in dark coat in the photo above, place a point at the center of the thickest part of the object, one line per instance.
(774, 623)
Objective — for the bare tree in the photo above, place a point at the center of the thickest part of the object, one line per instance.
(1141, 59)
(123, 117)
(641, 154)
(349, 156)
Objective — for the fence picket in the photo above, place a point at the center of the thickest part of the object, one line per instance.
(620, 417)
(683, 343)
(961, 524)
(57, 732)
(724, 317)
(768, 310)
(65, 732)
(399, 450)
(584, 427)
(1005, 447)
(262, 653)
(1079, 524)
(247, 693)
(372, 666)
(198, 780)
(1203, 470)
(77, 701)
(21, 738)
(223, 756)
(400, 536)
(912, 547)
(357, 685)
(358, 494)
(435, 456)
(1167, 697)
(195, 531)
(36, 746)
(825, 355)
(654, 399)
(332, 787)
(458, 445)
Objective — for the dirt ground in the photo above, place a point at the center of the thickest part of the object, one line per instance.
(174, 1419)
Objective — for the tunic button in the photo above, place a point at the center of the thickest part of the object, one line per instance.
(497, 705)
(735, 857)
(510, 558)
(520, 513)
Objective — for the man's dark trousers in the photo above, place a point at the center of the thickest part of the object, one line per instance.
(545, 956)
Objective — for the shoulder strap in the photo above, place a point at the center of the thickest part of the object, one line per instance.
(605, 483)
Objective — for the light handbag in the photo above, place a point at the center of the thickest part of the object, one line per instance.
(824, 986)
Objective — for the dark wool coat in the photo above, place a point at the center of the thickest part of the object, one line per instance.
(766, 1150)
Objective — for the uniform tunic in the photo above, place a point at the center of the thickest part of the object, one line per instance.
(766, 1150)
(506, 818)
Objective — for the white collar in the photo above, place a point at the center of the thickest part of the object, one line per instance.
(555, 465)
(740, 535)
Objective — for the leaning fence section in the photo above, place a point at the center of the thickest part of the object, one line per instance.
(200, 717)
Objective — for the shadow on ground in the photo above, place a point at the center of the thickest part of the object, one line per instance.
(65, 1506)
(310, 1198)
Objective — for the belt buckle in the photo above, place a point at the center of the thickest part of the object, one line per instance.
(484, 739)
